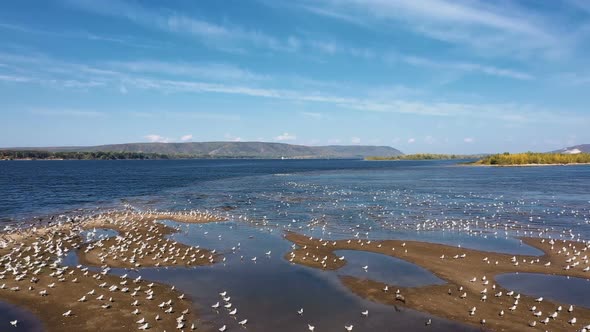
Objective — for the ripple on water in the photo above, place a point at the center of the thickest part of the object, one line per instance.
(568, 290)
(386, 269)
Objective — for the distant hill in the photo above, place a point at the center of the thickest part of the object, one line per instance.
(235, 150)
(582, 148)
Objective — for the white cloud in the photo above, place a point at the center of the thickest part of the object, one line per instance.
(468, 140)
(429, 140)
(286, 137)
(157, 138)
(411, 140)
(186, 138)
(232, 138)
(355, 140)
(334, 141)
(123, 89)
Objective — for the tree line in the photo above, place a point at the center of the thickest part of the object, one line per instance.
(425, 156)
(97, 155)
(534, 158)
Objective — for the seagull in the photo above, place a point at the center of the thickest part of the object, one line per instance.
(223, 328)
(365, 313)
(13, 322)
(348, 327)
(311, 327)
(233, 312)
(67, 313)
(215, 306)
(243, 322)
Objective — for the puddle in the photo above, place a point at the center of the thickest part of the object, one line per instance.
(26, 321)
(386, 269)
(567, 290)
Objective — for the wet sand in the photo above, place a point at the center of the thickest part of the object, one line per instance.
(142, 242)
(458, 267)
(35, 278)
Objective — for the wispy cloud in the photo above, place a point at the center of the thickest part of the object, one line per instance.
(462, 66)
(313, 115)
(68, 112)
(363, 99)
(213, 71)
(497, 27)
(223, 35)
(120, 40)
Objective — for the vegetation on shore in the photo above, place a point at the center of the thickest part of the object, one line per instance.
(98, 155)
(532, 158)
(425, 156)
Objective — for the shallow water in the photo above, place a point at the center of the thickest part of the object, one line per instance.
(566, 290)
(472, 207)
(269, 291)
(386, 269)
(26, 321)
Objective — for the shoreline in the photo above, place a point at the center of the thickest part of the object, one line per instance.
(523, 165)
(36, 280)
(457, 268)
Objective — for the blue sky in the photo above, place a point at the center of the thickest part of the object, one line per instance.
(462, 76)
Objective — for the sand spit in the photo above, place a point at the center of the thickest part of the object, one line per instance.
(67, 298)
(470, 280)
(142, 242)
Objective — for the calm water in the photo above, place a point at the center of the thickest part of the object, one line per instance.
(482, 208)
(568, 290)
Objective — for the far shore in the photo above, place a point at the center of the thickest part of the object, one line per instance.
(524, 165)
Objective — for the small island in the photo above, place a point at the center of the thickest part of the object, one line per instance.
(424, 156)
(533, 159)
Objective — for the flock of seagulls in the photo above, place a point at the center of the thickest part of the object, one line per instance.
(229, 308)
(35, 264)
